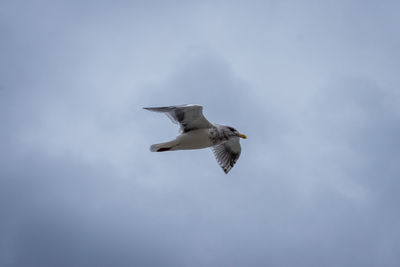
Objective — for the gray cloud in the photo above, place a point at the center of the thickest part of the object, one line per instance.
(312, 85)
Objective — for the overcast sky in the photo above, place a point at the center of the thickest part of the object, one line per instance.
(313, 84)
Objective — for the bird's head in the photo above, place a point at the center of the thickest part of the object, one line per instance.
(234, 132)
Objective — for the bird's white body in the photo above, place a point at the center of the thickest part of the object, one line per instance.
(195, 139)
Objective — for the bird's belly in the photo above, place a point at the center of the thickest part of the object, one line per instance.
(195, 139)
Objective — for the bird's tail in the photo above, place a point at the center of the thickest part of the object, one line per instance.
(164, 146)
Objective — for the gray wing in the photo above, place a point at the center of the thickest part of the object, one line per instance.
(227, 153)
(189, 117)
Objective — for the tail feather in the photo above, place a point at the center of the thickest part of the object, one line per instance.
(163, 146)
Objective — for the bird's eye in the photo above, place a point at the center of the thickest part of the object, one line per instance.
(232, 129)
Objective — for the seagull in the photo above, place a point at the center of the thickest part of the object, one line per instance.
(197, 133)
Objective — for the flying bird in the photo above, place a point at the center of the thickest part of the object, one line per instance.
(197, 132)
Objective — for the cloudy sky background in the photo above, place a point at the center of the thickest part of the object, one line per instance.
(314, 85)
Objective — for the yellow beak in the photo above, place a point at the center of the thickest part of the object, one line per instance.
(243, 136)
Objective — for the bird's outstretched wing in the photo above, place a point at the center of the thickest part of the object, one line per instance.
(227, 153)
(190, 117)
